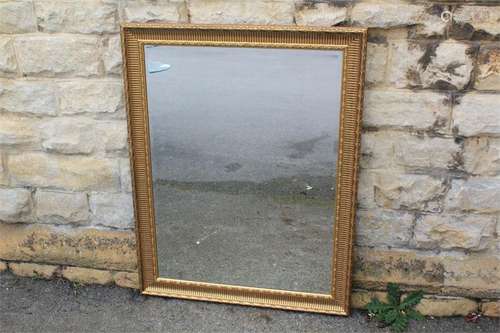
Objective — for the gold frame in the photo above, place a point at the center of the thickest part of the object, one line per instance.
(352, 42)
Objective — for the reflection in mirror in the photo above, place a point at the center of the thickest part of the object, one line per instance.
(244, 146)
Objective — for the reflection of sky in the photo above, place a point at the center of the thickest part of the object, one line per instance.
(242, 113)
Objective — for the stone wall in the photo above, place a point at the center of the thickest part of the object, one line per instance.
(429, 195)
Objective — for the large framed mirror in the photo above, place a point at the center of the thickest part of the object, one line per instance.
(244, 149)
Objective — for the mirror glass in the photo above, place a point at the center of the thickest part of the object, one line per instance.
(244, 145)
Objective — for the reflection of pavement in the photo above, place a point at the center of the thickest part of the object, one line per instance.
(244, 239)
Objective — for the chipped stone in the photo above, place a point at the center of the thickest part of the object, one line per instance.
(488, 76)
(385, 15)
(491, 309)
(469, 232)
(93, 96)
(8, 63)
(112, 209)
(127, 280)
(17, 17)
(475, 194)
(482, 156)
(87, 275)
(29, 97)
(69, 135)
(16, 205)
(445, 306)
(112, 55)
(377, 227)
(33, 270)
(479, 17)
(321, 14)
(61, 207)
(477, 114)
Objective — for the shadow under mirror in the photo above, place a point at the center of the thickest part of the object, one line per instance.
(244, 145)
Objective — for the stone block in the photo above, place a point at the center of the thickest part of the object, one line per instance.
(360, 298)
(92, 96)
(61, 207)
(16, 205)
(17, 17)
(402, 66)
(125, 175)
(382, 15)
(406, 109)
(127, 280)
(86, 247)
(427, 152)
(475, 194)
(488, 68)
(69, 135)
(320, 14)
(448, 232)
(477, 114)
(56, 55)
(65, 16)
(491, 309)
(8, 63)
(112, 55)
(377, 227)
(377, 149)
(480, 18)
(241, 12)
(482, 156)
(3, 266)
(28, 97)
(113, 135)
(87, 275)
(376, 63)
(15, 131)
(33, 270)
(64, 172)
(443, 306)
(169, 12)
(112, 209)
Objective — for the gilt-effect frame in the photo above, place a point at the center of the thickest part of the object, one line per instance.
(352, 42)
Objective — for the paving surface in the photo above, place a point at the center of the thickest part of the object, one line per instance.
(31, 305)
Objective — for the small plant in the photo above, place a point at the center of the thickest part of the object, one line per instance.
(397, 313)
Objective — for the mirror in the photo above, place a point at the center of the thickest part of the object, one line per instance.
(244, 146)
(244, 153)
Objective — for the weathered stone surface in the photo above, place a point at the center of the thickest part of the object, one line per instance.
(3, 266)
(94, 248)
(17, 131)
(377, 227)
(476, 194)
(385, 15)
(17, 17)
(125, 175)
(113, 135)
(482, 156)
(320, 14)
(112, 55)
(479, 17)
(59, 55)
(65, 16)
(242, 12)
(87, 275)
(33, 270)
(16, 205)
(470, 232)
(442, 306)
(377, 149)
(8, 64)
(166, 12)
(360, 298)
(491, 309)
(63, 172)
(376, 62)
(402, 68)
(69, 135)
(366, 189)
(401, 108)
(92, 96)
(408, 191)
(488, 67)
(126, 280)
(477, 114)
(424, 152)
(30, 97)
(112, 209)
(61, 207)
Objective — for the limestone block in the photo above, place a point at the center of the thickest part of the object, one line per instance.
(376, 62)
(445, 306)
(33, 270)
(59, 55)
(408, 191)
(320, 14)
(127, 279)
(402, 67)
(87, 275)
(113, 135)
(69, 135)
(424, 152)
(377, 149)
(92, 96)
(488, 66)
(63, 172)
(377, 227)
(16, 205)
(61, 207)
(360, 298)
(477, 114)
(125, 175)
(89, 16)
(112, 209)
(382, 15)
(401, 108)
(96, 248)
(366, 189)
(470, 232)
(30, 97)
(483, 18)
(3, 266)
(18, 131)
(112, 55)
(482, 156)
(8, 63)
(17, 17)
(241, 12)
(476, 194)
(167, 12)
(491, 309)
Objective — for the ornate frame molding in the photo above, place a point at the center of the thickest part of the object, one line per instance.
(352, 42)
